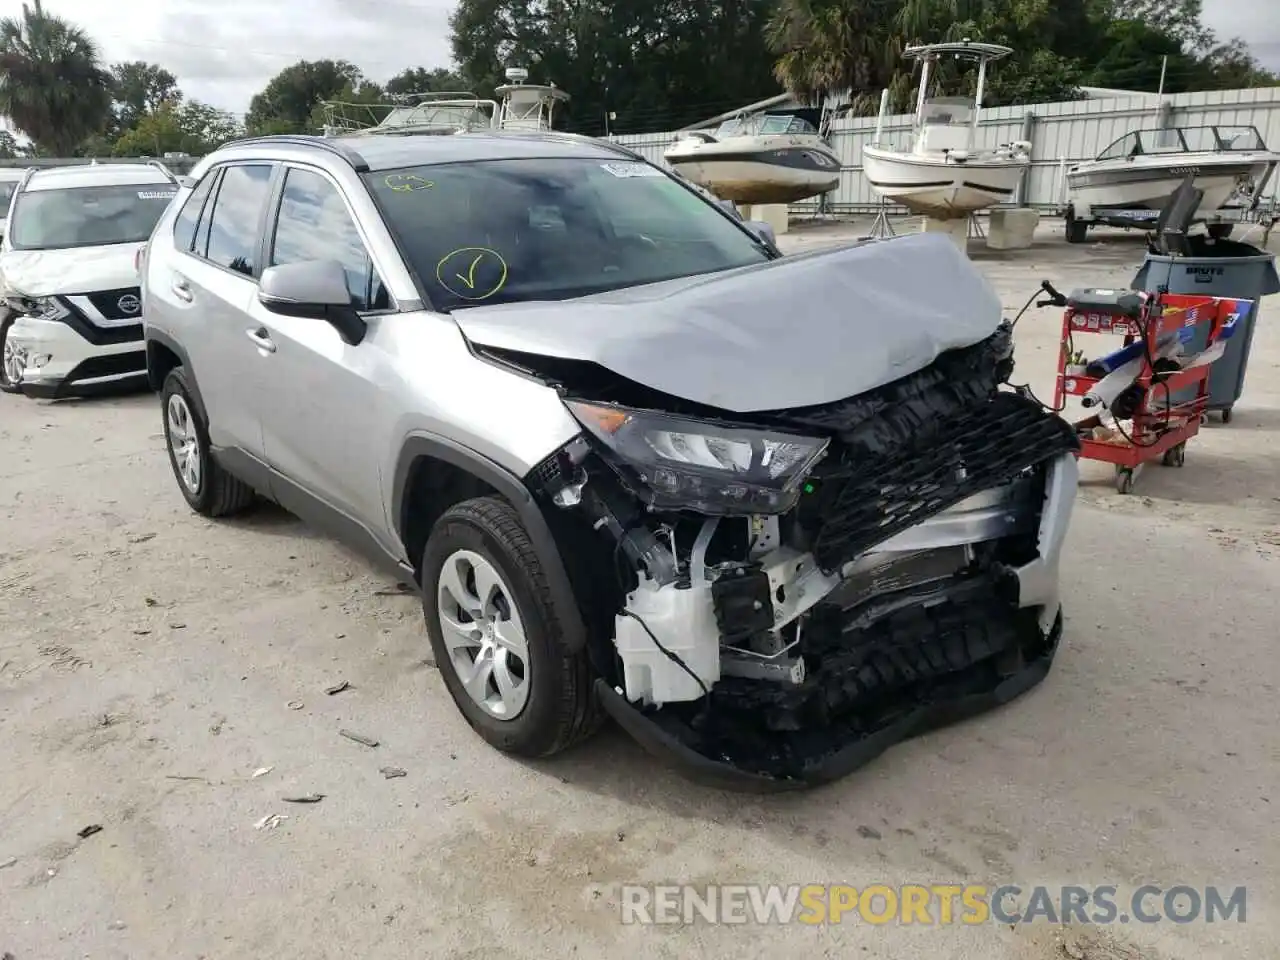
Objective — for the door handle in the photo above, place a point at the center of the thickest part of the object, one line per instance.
(261, 339)
(182, 290)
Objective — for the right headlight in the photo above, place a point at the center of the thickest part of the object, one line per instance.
(39, 308)
(686, 464)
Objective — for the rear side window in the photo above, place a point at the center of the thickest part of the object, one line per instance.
(234, 227)
(184, 225)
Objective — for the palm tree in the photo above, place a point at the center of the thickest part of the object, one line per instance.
(831, 46)
(52, 85)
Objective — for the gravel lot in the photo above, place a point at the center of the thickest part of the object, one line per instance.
(151, 662)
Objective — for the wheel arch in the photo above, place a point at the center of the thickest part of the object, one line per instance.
(165, 354)
(433, 473)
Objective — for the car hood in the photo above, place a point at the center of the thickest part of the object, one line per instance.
(797, 331)
(43, 273)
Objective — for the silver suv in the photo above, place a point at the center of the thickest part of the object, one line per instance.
(772, 514)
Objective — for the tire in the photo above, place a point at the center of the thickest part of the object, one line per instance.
(214, 492)
(1219, 231)
(7, 385)
(550, 704)
(1227, 415)
(1077, 230)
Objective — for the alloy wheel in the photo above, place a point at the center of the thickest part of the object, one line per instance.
(483, 632)
(184, 444)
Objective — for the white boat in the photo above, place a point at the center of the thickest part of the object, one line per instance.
(771, 157)
(524, 106)
(944, 175)
(527, 106)
(443, 112)
(1130, 181)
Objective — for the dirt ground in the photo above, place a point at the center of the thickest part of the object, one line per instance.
(152, 662)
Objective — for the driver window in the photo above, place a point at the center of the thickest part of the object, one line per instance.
(313, 224)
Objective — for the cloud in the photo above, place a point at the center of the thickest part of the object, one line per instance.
(1256, 22)
(225, 54)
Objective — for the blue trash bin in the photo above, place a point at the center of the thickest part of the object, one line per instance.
(1217, 268)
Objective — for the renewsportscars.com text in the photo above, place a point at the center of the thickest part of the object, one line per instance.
(934, 904)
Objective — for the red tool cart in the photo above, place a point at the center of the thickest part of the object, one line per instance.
(1165, 404)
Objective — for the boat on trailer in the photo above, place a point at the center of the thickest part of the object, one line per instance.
(522, 106)
(778, 156)
(944, 174)
(1131, 181)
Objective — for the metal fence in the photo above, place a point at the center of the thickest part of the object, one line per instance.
(1060, 134)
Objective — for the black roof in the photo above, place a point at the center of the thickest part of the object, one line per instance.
(389, 151)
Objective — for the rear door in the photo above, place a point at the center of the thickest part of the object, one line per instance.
(216, 283)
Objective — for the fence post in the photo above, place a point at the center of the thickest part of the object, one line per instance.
(1028, 134)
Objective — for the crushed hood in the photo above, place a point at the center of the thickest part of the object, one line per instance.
(798, 331)
(44, 273)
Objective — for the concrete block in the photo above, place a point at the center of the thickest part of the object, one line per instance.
(1012, 229)
(957, 230)
(774, 214)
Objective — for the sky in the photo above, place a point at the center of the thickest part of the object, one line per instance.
(224, 52)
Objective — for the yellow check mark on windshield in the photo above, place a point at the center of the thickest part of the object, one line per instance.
(470, 278)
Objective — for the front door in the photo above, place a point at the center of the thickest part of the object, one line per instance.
(326, 424)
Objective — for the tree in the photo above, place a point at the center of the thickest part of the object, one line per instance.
(636, 58)
(178, 127)
(423, 80)
(140, 88)
(52, 85)
(286, 104)
(10, 149)
(829, 46)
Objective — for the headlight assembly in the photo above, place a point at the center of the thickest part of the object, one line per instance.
(700, 465)
(40, 308)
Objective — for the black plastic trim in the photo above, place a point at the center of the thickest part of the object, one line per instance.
(129, 367)
(310, 509)
(514, 490)
(926, 717)
(157, 382)
(328, 144)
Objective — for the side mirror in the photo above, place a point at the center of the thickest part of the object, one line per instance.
(764, 233)
(314, 290)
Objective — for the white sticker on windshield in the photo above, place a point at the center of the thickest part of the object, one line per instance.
(157, 194)
(626, 170)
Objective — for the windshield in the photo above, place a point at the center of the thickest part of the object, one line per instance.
(502, 231)
(88, 216)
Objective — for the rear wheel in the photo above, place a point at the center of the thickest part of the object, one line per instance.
(11, 365)
(207, 488)
(496, 637)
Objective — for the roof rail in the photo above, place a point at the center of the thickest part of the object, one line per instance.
(152, 162)
(329, 144)
(566, 137)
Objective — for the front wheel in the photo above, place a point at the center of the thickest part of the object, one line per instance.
(495, 634)
(12, 364)
(208, 489)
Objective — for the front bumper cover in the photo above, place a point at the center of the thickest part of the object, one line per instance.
(980, 643)
(663, 743)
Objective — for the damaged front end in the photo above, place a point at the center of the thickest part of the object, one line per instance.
(777, 598)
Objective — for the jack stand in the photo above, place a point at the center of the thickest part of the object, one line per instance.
(881, 228)
(975, 228)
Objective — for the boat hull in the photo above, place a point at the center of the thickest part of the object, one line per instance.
(939, 188)
(1103, 186)
(757, 171)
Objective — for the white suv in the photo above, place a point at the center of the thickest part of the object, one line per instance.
(72, 325)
